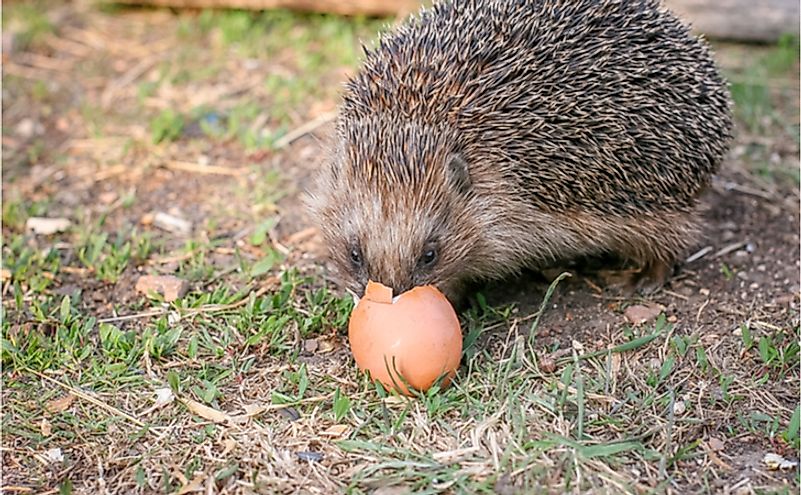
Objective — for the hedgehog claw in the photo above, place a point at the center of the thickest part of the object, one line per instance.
(651, 278)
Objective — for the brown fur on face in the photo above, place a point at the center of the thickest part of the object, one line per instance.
(514, 133)
(395, 193)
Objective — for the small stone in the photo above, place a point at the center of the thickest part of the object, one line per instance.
(310, 456)
(170, 287)
(63, 124)
(171, 223)
(46, 226)
(703, 291)
(289, 413)
(28, 128)
(310, 345)
(672, 319)
(639, 314)
(715, 444)
(679, 407)
(107, 197)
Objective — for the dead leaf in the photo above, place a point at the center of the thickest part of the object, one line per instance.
(54, 455)
(228, 446)
(172, 223)
(164, 396)
(62, 403)
(639, 314)
(45, 427)
(253, 409)
(547, 364)
(170, 287)
(196, 485)
(394, 400)
(615, 366)
(715, 444)
(325, 345)
(335, 431)
(205, 412)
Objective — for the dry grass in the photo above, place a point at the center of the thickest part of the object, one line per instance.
(109, 116)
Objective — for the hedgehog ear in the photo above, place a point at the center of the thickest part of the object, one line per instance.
(458, 173)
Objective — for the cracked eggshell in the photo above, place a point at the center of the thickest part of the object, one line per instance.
(418, 328)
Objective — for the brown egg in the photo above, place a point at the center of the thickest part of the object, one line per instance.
(419, 330)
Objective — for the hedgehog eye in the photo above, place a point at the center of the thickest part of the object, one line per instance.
(428, 258)
(356, 257)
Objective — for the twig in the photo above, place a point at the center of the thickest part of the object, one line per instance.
(701, 310)
(204, 169)
(300, 236)
(213, 308)
(11, 68)
(155, 312)
(544, 304)
(171, 259)
(67, 45)
(306, 128)
(750, 191)
(766, 325)
(46, 63)
(127, 78)
(89, 398)
(728, 249)
(675, 294)
(699, 254)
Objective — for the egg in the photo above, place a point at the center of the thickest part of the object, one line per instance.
(419, 330)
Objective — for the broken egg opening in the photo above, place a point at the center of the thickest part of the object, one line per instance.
(410, 339)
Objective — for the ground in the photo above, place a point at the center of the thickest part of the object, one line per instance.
(113, 117)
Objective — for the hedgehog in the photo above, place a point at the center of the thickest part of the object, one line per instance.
(483, 138)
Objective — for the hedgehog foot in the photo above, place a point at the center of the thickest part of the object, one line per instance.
(652, 277)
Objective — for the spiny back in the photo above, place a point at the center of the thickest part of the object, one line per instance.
(607, 105)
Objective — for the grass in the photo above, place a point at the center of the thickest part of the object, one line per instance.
(764, 92)
(317, 46)
(752, 94)
(28, 21)
(260, 392)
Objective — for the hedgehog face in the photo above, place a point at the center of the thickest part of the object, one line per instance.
(401, 219)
